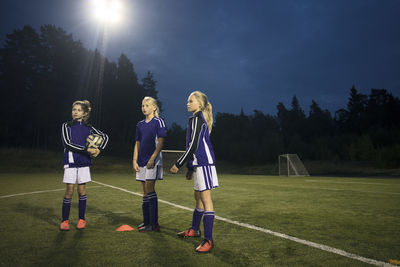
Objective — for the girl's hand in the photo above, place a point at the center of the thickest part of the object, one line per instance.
(150, 164)
(94, 152)
(174, 169)
(135, 166)
(189, 175)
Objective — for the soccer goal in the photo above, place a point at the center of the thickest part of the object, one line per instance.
(291, 165)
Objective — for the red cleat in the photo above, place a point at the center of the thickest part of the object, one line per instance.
(205, 246)
(81, 224)
(190, 233)
(64, 226)
(149, 228)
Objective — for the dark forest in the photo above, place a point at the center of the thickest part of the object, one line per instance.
(42, 73)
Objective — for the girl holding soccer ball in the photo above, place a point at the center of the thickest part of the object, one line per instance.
(77, 159)
(147, 161)
(200, 160)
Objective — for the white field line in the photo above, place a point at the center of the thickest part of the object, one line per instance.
(292, 238)
(330, 182)
(337, 189)
(39, 192)
(358, 191)
(331, 189)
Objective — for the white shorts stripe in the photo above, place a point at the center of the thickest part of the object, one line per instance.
(209, 175)
(205, 178)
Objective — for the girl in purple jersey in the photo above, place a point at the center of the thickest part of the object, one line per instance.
(77, 159)
(147, 161)
(200, 160)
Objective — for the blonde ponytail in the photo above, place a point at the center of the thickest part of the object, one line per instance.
(206, 108)
(208, 116)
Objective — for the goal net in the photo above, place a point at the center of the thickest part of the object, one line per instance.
(291, 165)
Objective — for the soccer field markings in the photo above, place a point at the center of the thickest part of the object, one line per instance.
(39, 192)
(336, 189)
(359, 191)
(330, 182)
(267, 231)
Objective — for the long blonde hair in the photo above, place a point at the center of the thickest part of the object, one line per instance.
(154, 103)
(85, 105)
(205, 107)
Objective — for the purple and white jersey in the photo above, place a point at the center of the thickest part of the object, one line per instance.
(198, 144)
(147, 133)
(73, 136)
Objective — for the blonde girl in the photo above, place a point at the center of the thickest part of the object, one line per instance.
(147, 161)
(200, 160)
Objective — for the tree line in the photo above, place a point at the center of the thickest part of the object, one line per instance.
(367, 130)
(42, 73)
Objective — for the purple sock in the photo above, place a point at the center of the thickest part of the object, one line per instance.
(145, 210)
(153, 208)
(208, 222)
(66, 207)
(197, 214)
(82, 206)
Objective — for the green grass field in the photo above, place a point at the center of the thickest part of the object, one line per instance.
(356, 215)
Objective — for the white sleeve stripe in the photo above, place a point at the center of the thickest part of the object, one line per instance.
(105, 137)
(63, 133)
(161, 122)
(67, 138)
(194, 124)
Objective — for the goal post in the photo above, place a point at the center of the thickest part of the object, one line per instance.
(291, 165)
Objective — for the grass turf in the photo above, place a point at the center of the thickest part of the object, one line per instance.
(358, 215)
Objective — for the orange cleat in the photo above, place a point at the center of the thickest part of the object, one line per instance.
(205, 246)
(81, 224)
(64, 226)
(190, 233)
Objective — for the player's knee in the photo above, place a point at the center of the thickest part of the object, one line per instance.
(150, 186)
(81, 191)
(197, 196)
(69, 193)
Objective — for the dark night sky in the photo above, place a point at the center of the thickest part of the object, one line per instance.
(242, 54)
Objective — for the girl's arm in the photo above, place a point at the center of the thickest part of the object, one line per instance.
(105, 137)
(150, 163)
(196, 125)
(67, 140)
(135, 156)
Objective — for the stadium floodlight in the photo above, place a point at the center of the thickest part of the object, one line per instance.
(291, 165)
(107, 11)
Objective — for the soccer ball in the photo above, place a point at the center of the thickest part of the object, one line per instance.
(94, 141)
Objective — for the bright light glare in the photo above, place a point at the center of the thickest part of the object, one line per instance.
(107, 11)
